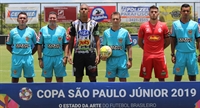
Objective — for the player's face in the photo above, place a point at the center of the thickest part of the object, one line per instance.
(84, 10)
(153, 13)
(185, 12)
(52, 19)
(115, 20)
(22, 20)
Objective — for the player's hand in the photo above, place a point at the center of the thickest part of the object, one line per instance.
(129, 64)
(97, 60)
(103, 58)
(64, 61)
(173, 59)
(70, 60)
(41, 64)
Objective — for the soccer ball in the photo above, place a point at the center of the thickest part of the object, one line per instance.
(105, 51)
(25, 93)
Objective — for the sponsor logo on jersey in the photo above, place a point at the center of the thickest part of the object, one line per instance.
(184, 40)
(154, 38)
(116, 47)
(85, 42)
(53, 46)
(22, 45)
(84, 33)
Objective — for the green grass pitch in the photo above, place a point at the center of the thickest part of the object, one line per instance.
(5, 62)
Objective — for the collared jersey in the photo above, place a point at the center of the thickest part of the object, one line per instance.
(185, 34)
(117, 40)
(52, 40)
(22, 40)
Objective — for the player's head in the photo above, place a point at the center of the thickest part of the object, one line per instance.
(185, 11)
(153, 12)
(22, 18)
(52, 18)
(115, 19)
(84, 9)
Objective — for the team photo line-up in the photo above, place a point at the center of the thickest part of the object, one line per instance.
(54, 45)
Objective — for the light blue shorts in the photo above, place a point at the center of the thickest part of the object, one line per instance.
(117, 67)
(54, 63)
(186, 60)
(24, 62)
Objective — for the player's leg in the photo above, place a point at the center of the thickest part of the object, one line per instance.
(111, 69)
(91, 68)
(59, 68)
(47, 71)
(122, 70)
(192, 66)
(78, 67)
(16, 68)
(179, 66)
(160, 68)
(146, 68)
(29, 68)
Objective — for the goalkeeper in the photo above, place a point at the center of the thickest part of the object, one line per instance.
(118, 39)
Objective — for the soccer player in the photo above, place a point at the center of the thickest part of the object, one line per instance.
(50, 50)
(119, 40)
(184, 34)
(86, 33)
(153, 38)
(19, 43)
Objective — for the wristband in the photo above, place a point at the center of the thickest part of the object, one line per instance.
(172, 54)
(65, 57)
(40, 59)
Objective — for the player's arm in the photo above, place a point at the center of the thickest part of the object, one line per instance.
(166, 37)
(140, 37)
(97, 39)
(39, 44)
(72, 33)
(34, 40)
(173, 41)
(197, 36)
(9, 43)
(129, 48)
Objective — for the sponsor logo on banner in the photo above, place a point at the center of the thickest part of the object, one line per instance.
(12, 13)
(101, 13)
(65, 13)
(134, 13)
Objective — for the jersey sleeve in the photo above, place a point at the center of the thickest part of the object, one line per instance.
(173, 34)
(34, 37)
(72, 31)
(41, 38)
(166, 31)
(96, 31)
(197, 32)
(65, 41)
(104, 40)
(9, 40)
(128, 39)
(141, 32)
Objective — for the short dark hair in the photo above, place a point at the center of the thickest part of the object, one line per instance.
(116, 13)
(24, 13)
(52, 12)
(185, 5)
(153, 7)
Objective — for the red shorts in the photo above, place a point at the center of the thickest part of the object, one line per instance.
(158, 63)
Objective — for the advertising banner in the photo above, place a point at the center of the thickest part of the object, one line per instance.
(101, 95)
(134, 13)
(101, 13)
(11, 14)
(65, 13)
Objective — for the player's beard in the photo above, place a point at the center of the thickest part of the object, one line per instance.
(52, 24)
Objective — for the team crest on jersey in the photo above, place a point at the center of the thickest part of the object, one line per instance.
(159, 30)
(120, 40)
(189, 32)
(59, 38)
(27, 38)
(98, 14)
(154, 38)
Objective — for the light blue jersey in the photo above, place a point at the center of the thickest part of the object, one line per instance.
(117, 40)
(52, 40)
(22, 40)
(185, 34)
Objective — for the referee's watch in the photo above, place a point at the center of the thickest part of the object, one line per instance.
(172, 54)
(130, 59)
(40, 59)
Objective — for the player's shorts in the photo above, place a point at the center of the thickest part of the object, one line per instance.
(188, 60)
(82, 61)
(117, 67)
(53, 63)
(158, 63)
(24, 62)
